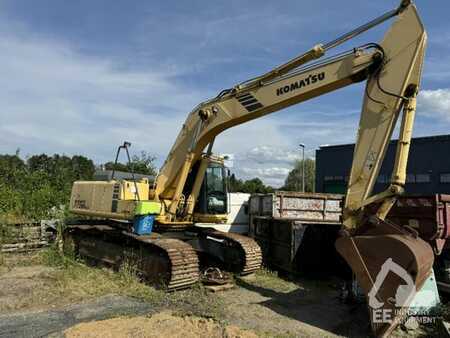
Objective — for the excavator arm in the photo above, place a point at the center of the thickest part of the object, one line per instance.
(390, 88)
(370, 242)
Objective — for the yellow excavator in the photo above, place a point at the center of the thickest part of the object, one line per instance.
(191, 185)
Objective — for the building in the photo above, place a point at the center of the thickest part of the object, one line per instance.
(428, 166)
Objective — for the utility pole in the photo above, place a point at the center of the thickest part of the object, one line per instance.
(303, 166)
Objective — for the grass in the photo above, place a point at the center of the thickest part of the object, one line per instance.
(268, 279)
(197, 301)
(76, 281)
(6, 233)
(71, 281)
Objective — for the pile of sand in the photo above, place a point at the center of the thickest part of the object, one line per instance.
(163, 324)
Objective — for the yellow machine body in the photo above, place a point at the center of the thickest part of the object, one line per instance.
(111, 199)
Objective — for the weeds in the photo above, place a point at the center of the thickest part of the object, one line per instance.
(6, 233)
(20, 259)
(268, 279)
(197, 301)
(76, 281)
(51, 257)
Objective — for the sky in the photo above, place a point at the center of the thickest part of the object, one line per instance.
(80, 77)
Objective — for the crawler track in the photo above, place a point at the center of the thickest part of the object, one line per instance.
(184, 266)
(252, 259)
(166, 262)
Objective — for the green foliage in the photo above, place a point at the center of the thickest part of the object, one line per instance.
(35, 188)
(140, 164)
(6, 234)
(294, 182)
(39, 186)
(51, 257)
(255, 185)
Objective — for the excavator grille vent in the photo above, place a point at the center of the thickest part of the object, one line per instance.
(249, 102)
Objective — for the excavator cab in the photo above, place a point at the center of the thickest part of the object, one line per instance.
(211, 201)
(213, 197)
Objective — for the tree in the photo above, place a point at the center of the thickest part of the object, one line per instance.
(140, 164)
(34, 187)
(294, 182)
(12, 167)
(83, 168)
(254, 185)
(235, 184)
(144, 163)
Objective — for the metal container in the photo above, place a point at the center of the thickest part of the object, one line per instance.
(296, 231)
(299, 206)
(296, 246)
(429, 215)
(279, 241)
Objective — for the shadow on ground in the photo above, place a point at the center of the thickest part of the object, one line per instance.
(316, 305)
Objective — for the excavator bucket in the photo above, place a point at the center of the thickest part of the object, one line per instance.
(390, 264)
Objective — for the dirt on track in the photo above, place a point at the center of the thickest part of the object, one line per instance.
(162, 324)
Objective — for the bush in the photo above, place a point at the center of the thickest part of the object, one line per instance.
(35, 188)
(31, 189)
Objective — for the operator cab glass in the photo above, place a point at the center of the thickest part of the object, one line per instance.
(213, 195)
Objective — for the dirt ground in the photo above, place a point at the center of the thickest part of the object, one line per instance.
(303, 308)
(162, 324)
(37, 301)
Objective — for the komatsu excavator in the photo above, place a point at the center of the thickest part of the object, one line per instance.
(191, 185)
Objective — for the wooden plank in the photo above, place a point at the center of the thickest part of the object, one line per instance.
(218, 288)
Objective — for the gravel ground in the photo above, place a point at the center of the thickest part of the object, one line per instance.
(54, 322)
(262, 304)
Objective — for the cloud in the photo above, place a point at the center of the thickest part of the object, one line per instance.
(267, 172)
(270, 163)
(435, 103)
(269, 154)
(55, 99)
(273, 176)
(86, 96)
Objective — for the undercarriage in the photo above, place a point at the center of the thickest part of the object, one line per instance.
(169, 260)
